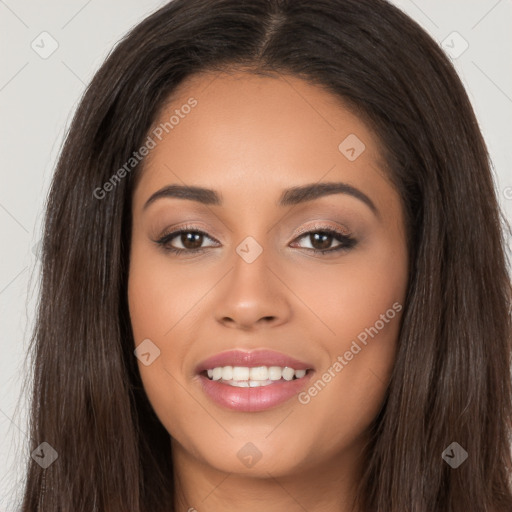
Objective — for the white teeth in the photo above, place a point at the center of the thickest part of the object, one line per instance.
(275, 372)
(259, 373)
(240, 373)
(227, 373)
(288, 373)
(248, 383)
(256, 383)
(243, 376)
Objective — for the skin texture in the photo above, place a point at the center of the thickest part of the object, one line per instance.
(249, 138)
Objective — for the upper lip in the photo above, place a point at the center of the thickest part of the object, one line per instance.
(252, 359)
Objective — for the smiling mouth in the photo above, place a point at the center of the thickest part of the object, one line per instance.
(252, 377)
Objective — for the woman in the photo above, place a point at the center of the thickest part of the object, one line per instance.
(273, 274)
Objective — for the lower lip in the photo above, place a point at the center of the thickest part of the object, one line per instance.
(253, 399)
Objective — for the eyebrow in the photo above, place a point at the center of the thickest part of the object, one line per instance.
(289, 197)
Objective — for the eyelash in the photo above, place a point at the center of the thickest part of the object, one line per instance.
(347, 242)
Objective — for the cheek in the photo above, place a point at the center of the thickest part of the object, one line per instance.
(360, 306)
(159, 296)
(352, 296)
(165, 302)
(155, 311)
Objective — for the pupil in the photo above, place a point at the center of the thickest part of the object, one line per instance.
(187, 239)
(325, 244)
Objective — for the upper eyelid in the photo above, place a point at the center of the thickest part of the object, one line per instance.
(319, 226)
(172, 234)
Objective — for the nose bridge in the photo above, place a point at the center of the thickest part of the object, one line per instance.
(252, 262)
(252, 293)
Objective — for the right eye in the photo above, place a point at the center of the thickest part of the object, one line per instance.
(191, 240)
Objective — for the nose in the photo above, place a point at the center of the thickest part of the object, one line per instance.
(253, 296)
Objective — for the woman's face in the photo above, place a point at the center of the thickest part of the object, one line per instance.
(261, 281)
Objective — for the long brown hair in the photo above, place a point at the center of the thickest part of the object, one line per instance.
(451, 380)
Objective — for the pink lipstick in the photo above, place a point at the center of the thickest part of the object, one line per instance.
(253, 381)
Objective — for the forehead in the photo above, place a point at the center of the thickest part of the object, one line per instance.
(239, 132)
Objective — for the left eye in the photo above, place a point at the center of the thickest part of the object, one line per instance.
(191, 241)
(321, 240)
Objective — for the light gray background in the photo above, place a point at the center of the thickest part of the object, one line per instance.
(38, 96)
